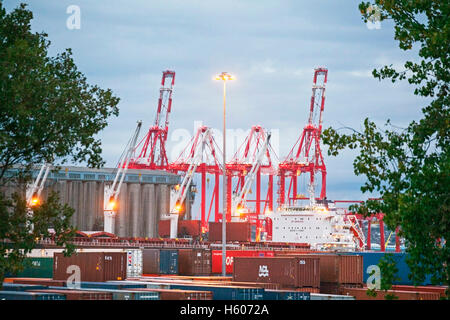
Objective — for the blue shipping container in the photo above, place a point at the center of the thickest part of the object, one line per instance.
(109, 285)
(373, 258)
(168, 261)
(20, 295)
(225, 292)
(285, 295)
(21, 287)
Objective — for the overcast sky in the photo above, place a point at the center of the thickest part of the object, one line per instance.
(272, 47)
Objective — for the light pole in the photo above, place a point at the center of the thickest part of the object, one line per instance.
(224, 76)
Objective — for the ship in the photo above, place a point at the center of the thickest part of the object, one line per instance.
(320, 224)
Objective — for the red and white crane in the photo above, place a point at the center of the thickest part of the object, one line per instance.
(111, 192)
(306, 155)
(238, 206)
(199, 156)
(152, 154)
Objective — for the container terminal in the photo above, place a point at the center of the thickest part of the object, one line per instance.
(139, 240)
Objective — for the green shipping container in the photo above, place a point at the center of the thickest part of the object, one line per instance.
(35, 268)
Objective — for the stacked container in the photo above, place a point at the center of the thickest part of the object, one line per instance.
(160, 261)
(235, 231)
(194, 262)
(186, 228)
(289, 272)
(93, 266)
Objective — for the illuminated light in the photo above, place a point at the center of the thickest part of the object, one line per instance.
(34, 201)
(177, 187)
(177, 208)
(112, 204)
(224, 76)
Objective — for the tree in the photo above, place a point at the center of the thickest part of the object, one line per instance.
(410, 168)
(48, 113)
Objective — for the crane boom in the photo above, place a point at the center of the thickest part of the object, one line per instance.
(238, 199)
(34, 191)
(112, 191)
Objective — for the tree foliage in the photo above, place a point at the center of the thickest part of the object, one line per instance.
(410, 168)
(48, 113)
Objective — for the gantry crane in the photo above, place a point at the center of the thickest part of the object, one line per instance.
(193, 160)
(152, 154)
(308, 156)
(238, 207)
(111, 192)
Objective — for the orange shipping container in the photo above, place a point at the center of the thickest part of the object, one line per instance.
(361, 294)
(339, 269)
(93, 266)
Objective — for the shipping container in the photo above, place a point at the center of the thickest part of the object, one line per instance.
(21, 287)
(216, 259)
(435, 289)
(373, 258)
(320, 296)
(110, 285)
(134, 263)
(224, 292)
(339, 269)
(144, 284)
(118, 294)
(186, 228)
(178, 294)
(93, 266)
(285, 295)
(160, 261)
(39, 281)
(35, 267)
(289, 272)
(194, 262)
(361, 294)
(235, 231)
(79, 294)
(21, 295)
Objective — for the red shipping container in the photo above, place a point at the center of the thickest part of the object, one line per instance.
(194, 262)
(236, 231)
(79, 294)
(192, 228)
(230, 255)
(40, 281)
(289, 272)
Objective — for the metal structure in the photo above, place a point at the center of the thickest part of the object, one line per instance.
(199, 156)
(252, 159)
(152, 154)
(306, 155)
(111, 192)
(34, 191)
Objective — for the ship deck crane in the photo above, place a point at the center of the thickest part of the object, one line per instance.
(111, 192)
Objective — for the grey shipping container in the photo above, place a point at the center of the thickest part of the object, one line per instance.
(93, 266)
(194, 262)
(160, 261)
(134, 263)
(289, 272)
(117, 294)
(20, 295)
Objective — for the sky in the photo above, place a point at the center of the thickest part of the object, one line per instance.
(271, 47)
